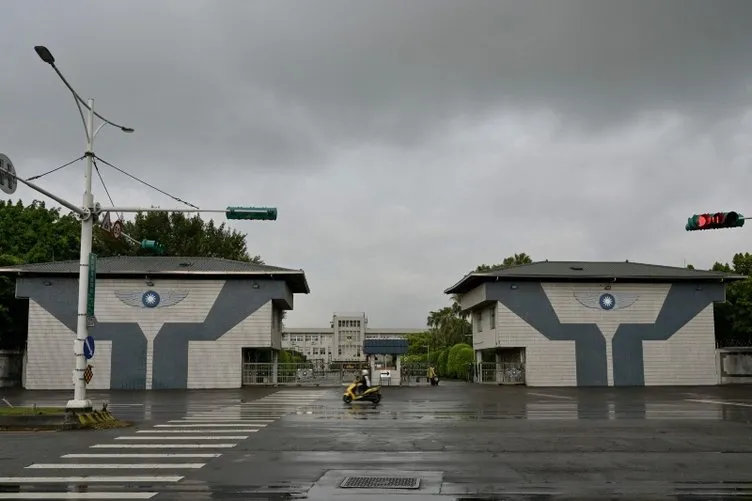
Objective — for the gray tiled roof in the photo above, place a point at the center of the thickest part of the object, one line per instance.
(165, 265)
(590, 270)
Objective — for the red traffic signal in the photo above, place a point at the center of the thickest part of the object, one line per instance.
(715, 221)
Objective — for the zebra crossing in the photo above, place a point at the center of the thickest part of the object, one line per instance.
(157, 459)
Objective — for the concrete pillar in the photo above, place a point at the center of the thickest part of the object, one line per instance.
(275, 366)
(499, 368)
(398, 365)
(478, 367)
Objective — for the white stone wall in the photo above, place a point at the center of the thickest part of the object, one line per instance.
(212, 364)
(687, 358)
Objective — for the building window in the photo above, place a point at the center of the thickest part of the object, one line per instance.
(493, 317)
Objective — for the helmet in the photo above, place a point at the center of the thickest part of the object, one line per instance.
(364, 372)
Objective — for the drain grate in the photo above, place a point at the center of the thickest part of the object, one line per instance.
(380, 483)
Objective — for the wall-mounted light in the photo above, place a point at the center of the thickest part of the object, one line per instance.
(149, 282)
(514, 286)
(607, 287)
(255, 285)
(47, 283)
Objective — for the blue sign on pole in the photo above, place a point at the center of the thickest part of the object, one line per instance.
(89, 347)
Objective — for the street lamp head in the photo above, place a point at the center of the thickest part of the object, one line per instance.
(129, 130)
(44, 54)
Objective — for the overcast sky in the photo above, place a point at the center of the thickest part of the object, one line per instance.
(403, 143)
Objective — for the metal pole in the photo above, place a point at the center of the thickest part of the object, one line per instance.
(79, 401)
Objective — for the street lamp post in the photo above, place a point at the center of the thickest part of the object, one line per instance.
(80, 402)
(88, 215)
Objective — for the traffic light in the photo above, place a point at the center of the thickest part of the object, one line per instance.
(715, 221)
(153, 245)
(254, 213)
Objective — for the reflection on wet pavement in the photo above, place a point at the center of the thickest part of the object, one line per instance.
(512, 443)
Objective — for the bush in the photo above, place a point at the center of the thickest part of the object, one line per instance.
(455, 367)
(465, 358)
(441, 363)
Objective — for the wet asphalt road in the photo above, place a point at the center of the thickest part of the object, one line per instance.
(515, 442)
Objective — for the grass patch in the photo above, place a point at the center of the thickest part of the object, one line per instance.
(31, 411)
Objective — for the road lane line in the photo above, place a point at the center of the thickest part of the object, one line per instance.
(549, 395)
(720, 402)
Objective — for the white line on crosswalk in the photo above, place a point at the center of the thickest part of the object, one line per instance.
(204, 437)
(77, 495)
(209, 425)
(113, 455)
(163, 446)
(115, 466)
(94, 479)
(198, 431)
(228, 419)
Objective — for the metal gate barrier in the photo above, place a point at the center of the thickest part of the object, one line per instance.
(303, 374)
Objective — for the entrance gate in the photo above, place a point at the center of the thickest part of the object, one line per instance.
(302, 374)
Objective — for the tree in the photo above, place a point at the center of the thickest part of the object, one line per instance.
(181, 236)
(449, 326)
(733, 319)
(515, 260)
(35, 233)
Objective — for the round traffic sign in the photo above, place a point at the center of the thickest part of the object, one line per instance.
(88, 347)
(8, 181)
(117, 229)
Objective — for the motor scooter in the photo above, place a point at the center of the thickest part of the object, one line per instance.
(372, 394)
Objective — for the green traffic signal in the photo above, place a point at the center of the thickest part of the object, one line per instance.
(153, 245)
(715, 221)
(252, 213)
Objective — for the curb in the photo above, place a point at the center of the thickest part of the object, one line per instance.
(95, 420)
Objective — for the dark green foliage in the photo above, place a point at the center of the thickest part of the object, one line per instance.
(35, 233)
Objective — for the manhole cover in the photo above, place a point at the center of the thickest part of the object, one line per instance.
(380, 483)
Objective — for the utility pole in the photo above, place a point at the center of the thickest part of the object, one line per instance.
(80, 402)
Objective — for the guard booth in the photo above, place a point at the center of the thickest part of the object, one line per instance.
(384, 358)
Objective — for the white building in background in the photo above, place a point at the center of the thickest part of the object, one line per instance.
(342, 340)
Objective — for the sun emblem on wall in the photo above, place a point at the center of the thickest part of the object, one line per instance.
(607, 301)
(151, 298)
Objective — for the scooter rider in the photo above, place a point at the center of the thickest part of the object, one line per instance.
(365, 381)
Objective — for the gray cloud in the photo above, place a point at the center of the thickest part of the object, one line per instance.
(404, 142)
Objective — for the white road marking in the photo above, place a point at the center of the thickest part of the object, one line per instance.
(221, 421)
(99, 479)
(208, 425)
(197, 431)
(721, 402)
(144, 455)
(163, 446)
(77, 495)
(549, 395)
(203, 437)
(115, 466)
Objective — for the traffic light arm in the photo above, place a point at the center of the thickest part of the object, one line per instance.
(252, 213)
